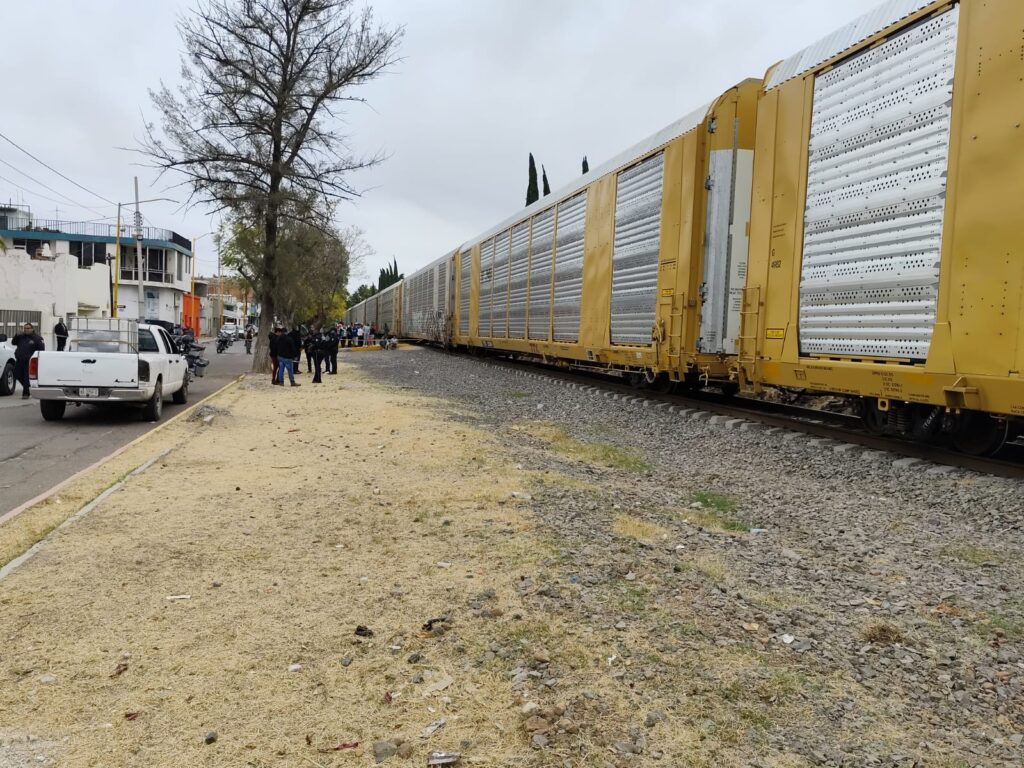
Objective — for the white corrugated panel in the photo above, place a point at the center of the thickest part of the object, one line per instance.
(465, 282)
(486, 278)
(679, 128)
(499, 293)
(570, 226)
(636, 250)
(844, 38)
(518, 278)
(876, 192)
(541, 251)
(371, 310)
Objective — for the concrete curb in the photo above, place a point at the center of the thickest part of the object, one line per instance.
(97, 464)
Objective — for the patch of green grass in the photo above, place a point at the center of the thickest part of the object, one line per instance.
(605, 454)
(1003, 622)
(780, 686)
(716, 501)
(972, 555)
(716, 512)
(631, 598)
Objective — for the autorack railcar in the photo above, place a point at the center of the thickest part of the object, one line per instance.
(887, 239)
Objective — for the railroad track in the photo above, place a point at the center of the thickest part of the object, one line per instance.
(740, 412)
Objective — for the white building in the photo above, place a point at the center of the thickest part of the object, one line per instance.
(51, 269)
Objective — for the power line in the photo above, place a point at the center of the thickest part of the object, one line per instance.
(84, 189)
(41, 196)
(45, 186)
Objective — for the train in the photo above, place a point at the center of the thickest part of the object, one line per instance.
(849, 224)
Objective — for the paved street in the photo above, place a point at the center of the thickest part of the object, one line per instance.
(35, 454)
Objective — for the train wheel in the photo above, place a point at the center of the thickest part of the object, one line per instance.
(663, 384)
(636, 380)
(875, 421)
(979, 434)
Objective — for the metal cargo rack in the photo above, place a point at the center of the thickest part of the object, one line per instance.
(106, 334)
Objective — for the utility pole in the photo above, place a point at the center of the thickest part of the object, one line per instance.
(138, 254)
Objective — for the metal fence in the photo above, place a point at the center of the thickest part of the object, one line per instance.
(43, 226)
(11, 320)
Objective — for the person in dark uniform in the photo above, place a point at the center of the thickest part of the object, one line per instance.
(317, 344)
(60, 333)
(273, 356)
(332, 350)
(309, 345)
(26, 344)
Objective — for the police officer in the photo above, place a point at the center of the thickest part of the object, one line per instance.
(333, 340)
(316, 345)
(26, 344)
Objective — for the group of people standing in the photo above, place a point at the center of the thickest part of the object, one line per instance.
(286, 348)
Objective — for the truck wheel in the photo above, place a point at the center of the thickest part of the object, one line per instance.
(7, 380)
(155, 406)
(181, 396)
(52, 410)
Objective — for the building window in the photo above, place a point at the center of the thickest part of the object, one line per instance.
(88, 253)
(31, 247)
(181, 266)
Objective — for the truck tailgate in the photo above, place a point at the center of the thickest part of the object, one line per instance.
(88, 369)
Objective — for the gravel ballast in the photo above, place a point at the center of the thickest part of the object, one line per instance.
(875, 602)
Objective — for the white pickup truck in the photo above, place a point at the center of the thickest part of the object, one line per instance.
(110, 362)
(6, 366)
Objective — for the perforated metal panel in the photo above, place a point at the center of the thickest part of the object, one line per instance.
(486, 278)
(636, 249)
(465, 281)
(876, 197)
(386, 309)
(499, 293)
(441, 288)
(542, 246)
(847, 36)
(518, 279)
(371, 310)
(570, 225)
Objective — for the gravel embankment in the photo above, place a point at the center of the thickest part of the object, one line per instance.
(875, 608)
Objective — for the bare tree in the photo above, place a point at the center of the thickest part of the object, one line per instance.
(253, 125)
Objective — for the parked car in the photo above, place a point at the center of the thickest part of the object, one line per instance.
(230, 330)
(110, 362)
(6, 366)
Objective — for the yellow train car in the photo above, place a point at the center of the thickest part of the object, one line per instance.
(638, 267)
(886, 232)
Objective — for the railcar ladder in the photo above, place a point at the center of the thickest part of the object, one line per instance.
(747, 347)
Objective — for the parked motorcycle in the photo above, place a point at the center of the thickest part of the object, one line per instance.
(193, 354)
(223, 342)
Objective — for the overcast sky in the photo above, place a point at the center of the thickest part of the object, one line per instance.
(481, 84)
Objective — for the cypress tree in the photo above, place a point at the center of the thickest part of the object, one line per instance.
(532, 193)
(544, 174)
(586, 165)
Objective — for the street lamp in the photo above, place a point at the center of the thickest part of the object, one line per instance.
(139, 270)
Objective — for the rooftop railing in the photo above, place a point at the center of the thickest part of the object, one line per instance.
(94, 229)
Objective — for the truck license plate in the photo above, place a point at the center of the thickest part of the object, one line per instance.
(88, 392)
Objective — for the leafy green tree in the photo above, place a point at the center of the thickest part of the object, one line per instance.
(388, 276)
(362, 293)
(255, 124)
(544, 173)
(532, 192)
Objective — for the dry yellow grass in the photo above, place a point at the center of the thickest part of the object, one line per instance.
(296, 517)
(636, 528)
(601, 454)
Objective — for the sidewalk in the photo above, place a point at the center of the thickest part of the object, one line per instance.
(221, 591)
